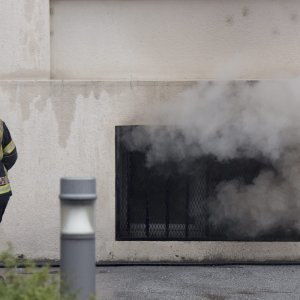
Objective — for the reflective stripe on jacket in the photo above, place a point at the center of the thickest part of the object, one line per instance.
(8, 157)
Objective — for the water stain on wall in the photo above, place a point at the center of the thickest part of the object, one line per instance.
(294, 17)
(63, 99)
(29, 9)
(64, 96)
(27, 94)
(229, 20)
(245, 11)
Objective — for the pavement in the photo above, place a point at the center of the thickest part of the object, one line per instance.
(274, 282)
(199, 282)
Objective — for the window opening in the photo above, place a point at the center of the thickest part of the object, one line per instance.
(161, 203)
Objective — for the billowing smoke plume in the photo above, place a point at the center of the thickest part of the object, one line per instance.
(232, 120)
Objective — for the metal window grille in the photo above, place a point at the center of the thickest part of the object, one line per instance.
(163, 204)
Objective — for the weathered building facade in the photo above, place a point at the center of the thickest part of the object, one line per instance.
(73, 70)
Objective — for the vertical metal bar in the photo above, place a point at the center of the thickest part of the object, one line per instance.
(118, 178)
(121, 184)
(148, 184)
(187, 205)
(207, 195)
(167, 204)
(147, 216)
(129, 181)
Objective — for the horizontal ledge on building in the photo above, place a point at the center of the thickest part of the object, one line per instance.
(133, 82)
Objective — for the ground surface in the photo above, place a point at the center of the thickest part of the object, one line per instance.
(243, 282)
(199, 282)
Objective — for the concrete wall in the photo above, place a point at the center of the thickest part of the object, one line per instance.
(24, 39)
(64, 127)
(175, 39)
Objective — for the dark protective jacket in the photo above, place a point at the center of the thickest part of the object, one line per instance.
(8, 157)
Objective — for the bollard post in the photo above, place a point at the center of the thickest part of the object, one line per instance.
(78, 260)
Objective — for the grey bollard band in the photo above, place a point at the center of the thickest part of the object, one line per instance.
(78, 270)
(81, 188)
(66, 236)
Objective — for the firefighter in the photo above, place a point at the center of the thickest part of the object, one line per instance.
(8, 157)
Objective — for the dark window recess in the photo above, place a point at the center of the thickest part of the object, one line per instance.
(160, 203)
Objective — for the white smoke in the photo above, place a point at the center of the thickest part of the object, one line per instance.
(232, 120)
